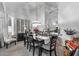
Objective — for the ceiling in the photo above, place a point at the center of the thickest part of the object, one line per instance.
(24, 9)
(19, 9)
(66, 10)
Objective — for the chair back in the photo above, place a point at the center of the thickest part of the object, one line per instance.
(25, 36)
(30, 36)
(53, 40)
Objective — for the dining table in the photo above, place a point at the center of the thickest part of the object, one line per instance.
(45, 38)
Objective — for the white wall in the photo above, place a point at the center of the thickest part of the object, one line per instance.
(51, 14)
(2, 24)
(68, 15)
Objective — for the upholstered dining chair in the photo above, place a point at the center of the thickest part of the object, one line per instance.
(51, 46)
(35, 44)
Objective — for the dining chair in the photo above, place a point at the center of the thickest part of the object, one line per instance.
(35, 44)
(51, 46)
(26, 39)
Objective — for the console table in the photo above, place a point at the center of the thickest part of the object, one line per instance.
(20, 36)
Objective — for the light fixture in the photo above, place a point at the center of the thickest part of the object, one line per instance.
(54, 23)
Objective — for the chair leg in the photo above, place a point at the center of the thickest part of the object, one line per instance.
(33, 50)
(15, 42)
(6, 45)
(27, 44)
(55, 53)
(40, 51)
(30, 47)
(24, 42)
(50, 53)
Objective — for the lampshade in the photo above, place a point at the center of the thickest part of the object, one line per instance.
(54, 23)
